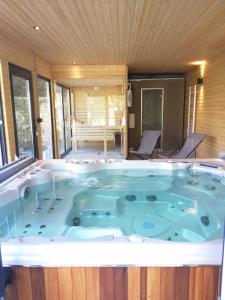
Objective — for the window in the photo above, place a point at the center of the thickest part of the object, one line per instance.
(96, 115)
(23, 112)
(152, 109)
(3, 156)
(191, 110)
(115, 110)
(44, 101)
(105, 110)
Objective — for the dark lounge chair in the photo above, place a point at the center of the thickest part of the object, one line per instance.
(190, 145)
(148, 143)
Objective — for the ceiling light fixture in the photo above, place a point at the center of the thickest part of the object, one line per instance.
(36, 28)
(74, 63)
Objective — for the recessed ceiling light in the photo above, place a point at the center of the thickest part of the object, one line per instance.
(74, 63)
(36, 28)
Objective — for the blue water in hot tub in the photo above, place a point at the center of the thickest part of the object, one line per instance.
(183, 206)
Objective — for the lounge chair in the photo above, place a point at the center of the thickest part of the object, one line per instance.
(148, 143)
(190, 145)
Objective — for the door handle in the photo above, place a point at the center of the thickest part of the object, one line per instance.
(39, 120)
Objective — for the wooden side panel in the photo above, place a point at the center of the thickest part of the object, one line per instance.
(51, 283)
(37, 283)
(210, 279)
(23, 282)
(120, 283)
(181, 283)
(113, 283)
(133, 283)
(92, 278)
(79, 283)
(143, 283)
(203, 283)
(191, 289)
(11, 291)
(106, 283)
(153, 283)
(167, 284)
(65, 283)
(199, 283)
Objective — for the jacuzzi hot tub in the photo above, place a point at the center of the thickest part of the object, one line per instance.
(100, 213)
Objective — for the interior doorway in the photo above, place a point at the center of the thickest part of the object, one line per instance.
(98, 118)
(152, 109)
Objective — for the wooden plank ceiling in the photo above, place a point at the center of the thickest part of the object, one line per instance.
(146, 35)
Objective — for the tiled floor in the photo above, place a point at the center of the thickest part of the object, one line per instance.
(93, 153)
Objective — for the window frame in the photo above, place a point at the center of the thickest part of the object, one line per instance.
(70, 148)
(61, 154)
(2, 135)
(27, 75)
(64, 127)
(15, 167)
(51, 112)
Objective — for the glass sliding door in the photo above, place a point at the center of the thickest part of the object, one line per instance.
(152, 109)
(23, 112)
(45, 112)
(60, 120)
(3, 156)
(67, 117)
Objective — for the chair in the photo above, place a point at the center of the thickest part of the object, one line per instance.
(190, 145)
(148, 143)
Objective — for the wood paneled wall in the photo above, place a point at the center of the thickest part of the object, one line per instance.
(12, 53)
(108, 283)
(210, 106)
